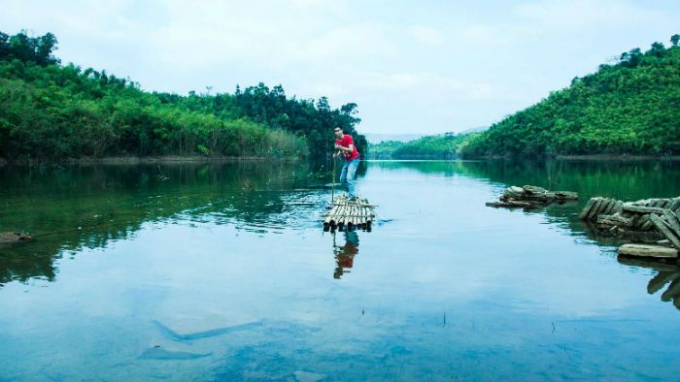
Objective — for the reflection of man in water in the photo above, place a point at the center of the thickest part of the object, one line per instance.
(344, 255)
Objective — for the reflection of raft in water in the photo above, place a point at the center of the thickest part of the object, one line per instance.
(350, 214)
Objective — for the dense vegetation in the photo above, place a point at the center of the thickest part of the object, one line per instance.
(54, 111)
(446, 146)
(384, 149)
(631, 107)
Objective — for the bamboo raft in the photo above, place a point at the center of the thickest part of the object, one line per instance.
(531, 197)
(659, 218)
(349, 214)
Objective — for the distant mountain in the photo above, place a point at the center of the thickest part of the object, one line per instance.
(377, 138)
(441, 146)
(474, 130)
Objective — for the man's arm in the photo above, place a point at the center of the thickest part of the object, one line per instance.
(349, 148)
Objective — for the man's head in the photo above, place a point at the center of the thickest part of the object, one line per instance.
(338, 132)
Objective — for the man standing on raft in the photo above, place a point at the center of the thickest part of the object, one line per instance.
(345, 146)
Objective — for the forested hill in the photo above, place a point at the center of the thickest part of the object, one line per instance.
(631, 107)
(54, 111)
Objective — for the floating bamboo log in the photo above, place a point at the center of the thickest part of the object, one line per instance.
(672, 222)
(586, 209)
(675, 204)
(642, 210)
(664, 228)
(615, 220)
(596, 207)
(646, 224)
(642, 250)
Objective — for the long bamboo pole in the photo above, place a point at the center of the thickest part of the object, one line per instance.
(333, 182)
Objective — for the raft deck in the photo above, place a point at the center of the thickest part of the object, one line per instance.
(349, 214)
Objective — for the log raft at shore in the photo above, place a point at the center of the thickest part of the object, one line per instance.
(655, 218)
(531, 197)
(349, 214)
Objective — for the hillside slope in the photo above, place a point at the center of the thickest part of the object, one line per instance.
(632, 107)
(54, 111)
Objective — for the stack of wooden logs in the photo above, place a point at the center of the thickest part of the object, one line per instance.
(649, 215)
(531, 197)
(349, 214)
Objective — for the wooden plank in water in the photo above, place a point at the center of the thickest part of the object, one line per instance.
(595, 208)
(609, 207)
(642, 210)
(640, 220)
(674, 205)
(643, 250)
(615, 220)
(586, 210)
(605, 206)
(618, 208)
(672, 221)
(663, 228)
(647, 224)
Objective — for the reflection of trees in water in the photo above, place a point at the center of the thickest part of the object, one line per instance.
(344, 254)
(624, 180)
(668, 274)
(66, 209)
(15, 265)
(620, 179)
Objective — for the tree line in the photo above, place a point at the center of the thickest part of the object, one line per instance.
(54, 111)
(444, 146)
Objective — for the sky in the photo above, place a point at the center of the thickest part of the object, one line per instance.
(424, 67)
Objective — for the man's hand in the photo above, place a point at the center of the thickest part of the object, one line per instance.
(337, 146)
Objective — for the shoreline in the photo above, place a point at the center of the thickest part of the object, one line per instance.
(612, 157)
(594, 157)
(145, 160)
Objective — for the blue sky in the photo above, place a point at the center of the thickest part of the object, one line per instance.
(422, 67)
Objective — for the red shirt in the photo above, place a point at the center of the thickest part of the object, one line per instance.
(345, 142)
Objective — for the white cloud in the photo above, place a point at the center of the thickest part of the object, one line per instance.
(426, 35)
(484, 34)
(575, 15)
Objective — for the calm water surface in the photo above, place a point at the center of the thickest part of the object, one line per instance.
(223, 272)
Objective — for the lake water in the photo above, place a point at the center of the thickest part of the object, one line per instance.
(223, 272)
